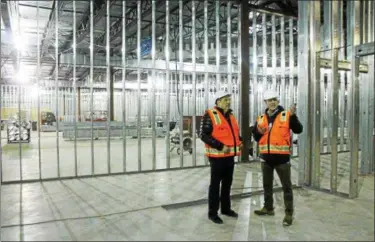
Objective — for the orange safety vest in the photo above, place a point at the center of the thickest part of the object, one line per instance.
(276, 139)
(222, 132)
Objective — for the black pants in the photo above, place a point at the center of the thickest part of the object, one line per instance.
(283, 171)
(221, 172)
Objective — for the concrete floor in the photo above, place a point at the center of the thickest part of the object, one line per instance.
(130, 207)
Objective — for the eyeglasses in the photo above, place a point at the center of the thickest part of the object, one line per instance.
(272, 100)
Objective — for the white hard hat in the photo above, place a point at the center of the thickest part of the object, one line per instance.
(220, 94)
(269, 94)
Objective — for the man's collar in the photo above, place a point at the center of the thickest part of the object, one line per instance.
(222, 111)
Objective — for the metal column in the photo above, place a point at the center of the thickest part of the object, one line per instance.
(239, 61)
(180, 81)
(273, 54)
(264, 53)
(282, 62)
(123, 59)
(334, 91)
(245, 74)
(75, 87)
(205, 46)
(303, 97)
(38, 87)
(92, 85)
(108, 82)
(57, 86)
(167, 84)
(315, 95)
(354, 101)
(153, 85)
(193, 57)
(139, 93)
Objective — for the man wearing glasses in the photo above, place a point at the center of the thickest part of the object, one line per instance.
(272, 132)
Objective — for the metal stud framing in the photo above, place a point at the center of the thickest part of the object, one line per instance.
(190, 81)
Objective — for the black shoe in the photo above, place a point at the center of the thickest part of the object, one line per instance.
(230, 213)
(216, 219)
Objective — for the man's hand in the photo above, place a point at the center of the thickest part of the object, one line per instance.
(261, 130)
(240, 146)
(226, 149)
(292, 110)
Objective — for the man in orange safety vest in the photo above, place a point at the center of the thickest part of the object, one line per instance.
(272, 132)
(220, 133)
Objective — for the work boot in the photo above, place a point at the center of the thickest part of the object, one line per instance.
(264, 211)
(288, 219)
(216, 219)
(230, 213)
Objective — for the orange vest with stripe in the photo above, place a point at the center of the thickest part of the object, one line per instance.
(276, 139)
(222, 132)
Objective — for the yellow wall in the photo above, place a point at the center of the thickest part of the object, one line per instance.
(9, 112)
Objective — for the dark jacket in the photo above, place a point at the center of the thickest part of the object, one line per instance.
(206, 129)
(294, 125)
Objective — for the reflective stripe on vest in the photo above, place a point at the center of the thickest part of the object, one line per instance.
(278, 149)
(216, 117)
(218, 153)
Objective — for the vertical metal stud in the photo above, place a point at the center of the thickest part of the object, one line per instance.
(303, 97)
(38, 87)
(334, 91)
(57, 86)
(282, 62)
(75, 86)
(217, 20)
(168, 83)
(139, 93)
(207, 86)
(349, 37)
(123, 56)
(108, 82)
(264, 52)
(180, 81)
(239, 56)
(315, 77)
(229, 53)
(342, 105)
(19, 92)
(193, 57)
(273, 45)
(153, 87)
(326, 116)
(291, 70)
(342, 110)
(354, 102)
(92, 84)
(372, 93)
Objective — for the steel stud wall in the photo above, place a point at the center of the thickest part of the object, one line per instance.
(325, 68)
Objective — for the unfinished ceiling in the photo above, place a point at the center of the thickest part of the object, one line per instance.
(24, 24)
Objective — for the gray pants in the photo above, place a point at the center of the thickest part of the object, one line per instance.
(284, 173)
